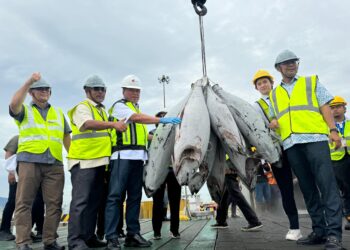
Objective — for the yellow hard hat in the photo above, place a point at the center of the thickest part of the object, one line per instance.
(338, 101)
(262, 73)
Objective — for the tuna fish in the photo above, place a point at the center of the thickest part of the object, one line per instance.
(251, 125)
(192, 135)
(160, 151)
(216, 179)
(199, 178)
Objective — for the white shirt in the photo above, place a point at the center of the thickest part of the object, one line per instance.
(261, 111)
(122, 111)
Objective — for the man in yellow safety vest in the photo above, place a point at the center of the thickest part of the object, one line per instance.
(87, 159)
(129, 154)
(42, 132)
(300, 108)
(341, 156)
(263, 82)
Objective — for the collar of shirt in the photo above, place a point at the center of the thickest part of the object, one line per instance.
(295, 79)
(95, 104)
(265, 97)
(33, 104)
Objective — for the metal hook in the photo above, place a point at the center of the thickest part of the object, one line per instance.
(199, 7)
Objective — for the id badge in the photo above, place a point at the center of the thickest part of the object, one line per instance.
(343, 142)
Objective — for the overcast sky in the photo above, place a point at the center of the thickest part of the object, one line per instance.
(69, 40)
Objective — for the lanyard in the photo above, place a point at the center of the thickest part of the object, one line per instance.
(341, 128)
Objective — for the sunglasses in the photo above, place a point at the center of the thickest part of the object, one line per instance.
(42, 89)
(290, 62)
(99, 89)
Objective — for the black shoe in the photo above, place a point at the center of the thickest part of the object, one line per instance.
(219, 225)
(333, 243)
(121, 234)
(136, 241)
(100, 237)
(113, 244)
(252, 227)
(312, 239)
(80, 247)
(93, 242)
(6, 235)
(38, 237)
(54, 246)
(24, 247)
(347, 225)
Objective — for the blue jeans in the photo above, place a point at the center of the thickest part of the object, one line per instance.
(262, 192)
(312, 165)
(126, 176)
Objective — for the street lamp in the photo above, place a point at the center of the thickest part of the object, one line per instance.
(164, 80)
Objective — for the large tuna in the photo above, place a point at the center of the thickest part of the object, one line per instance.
(199, 178)
(192, 135)
(251, 125)
(160, 151)
(216, 179)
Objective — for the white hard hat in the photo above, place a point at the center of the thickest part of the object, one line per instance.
(131, 82)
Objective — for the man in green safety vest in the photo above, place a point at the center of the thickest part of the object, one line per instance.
(300, 109)
(263, 82)
(341, 156)
(129, 153)
(87, 159)
(42, 132)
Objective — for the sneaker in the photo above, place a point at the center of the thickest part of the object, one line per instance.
(252, 228)
(175, 235)
(333, 243)
(113, 244)
(312, 239)
(220, 225)
(6, 236)
(157, 237)
(293, 234)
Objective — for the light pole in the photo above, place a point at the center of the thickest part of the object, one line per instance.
(164, 80)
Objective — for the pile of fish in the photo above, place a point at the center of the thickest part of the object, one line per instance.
(216, 126)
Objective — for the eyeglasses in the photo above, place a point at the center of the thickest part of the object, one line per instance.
(99, 89)
(293, 61)
(42, 89)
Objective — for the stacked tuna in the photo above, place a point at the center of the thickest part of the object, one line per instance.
(214, 124)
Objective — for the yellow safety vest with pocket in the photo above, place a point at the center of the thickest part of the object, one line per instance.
(337, 155)
(134, 137)
(298, 113)
(36, 135)
(90, 144)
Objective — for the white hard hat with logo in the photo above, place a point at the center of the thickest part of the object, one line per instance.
(131, 82)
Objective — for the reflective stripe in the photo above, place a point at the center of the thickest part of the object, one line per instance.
(59, 140)
(298, 108)
(94, 134)
(32, 138)
(274, 99)
(337, 150)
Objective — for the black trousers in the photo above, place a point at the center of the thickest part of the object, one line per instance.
(342, 175)
(87, 185)
(233, 191)
(38, 210)
(284, 180)
(174, 196)
(102, 207)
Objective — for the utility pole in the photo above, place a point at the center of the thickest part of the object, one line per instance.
(164, 80)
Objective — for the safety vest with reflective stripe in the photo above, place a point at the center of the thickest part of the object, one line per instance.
(265, 108)
(298, 113)
(36, 135)
(338, 154)
(135, 136)
(89, 144)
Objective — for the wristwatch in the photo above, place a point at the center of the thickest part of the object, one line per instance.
(333, 130)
